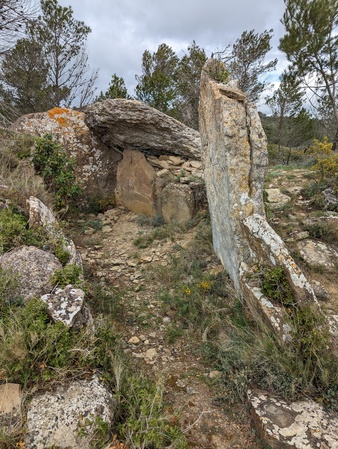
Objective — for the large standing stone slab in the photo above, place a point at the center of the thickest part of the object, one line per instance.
(67, 417)
(235, 159)
(135, 183)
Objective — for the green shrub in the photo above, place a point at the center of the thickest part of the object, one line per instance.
(70, 274)
(275, 285)
(57, 169)
(61, 253)
(14, 231)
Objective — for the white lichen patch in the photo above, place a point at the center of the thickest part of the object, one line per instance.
(300, 425)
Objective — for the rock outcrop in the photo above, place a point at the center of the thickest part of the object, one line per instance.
(130, 124)
(68, 417)
(298, 425)
(65, 304)
(96, 164)
(41, 216)
(236, 159)
(33, 268)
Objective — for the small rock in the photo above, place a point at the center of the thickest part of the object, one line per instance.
(89, 231)
(146, 259)
(134, 340)
(215, 374)
(107, 229)
(166, 320)
(150, 354)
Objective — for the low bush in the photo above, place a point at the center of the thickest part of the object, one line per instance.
(57, 169)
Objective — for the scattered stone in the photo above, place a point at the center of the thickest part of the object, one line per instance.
(317, 253)
(215, 375)
(330, 198)
(65, 304)
(299, 425)
(33, 268)
(146, 259)
(134, 340)
(320, 292)
(166, 320)
(89, 231)
(66, 417)
(276, 198)
(107, 229)
(150, 354)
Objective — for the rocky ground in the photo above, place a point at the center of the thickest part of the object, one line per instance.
(190, 387)
(110, 247)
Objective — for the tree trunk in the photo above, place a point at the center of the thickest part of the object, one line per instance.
(334, 144)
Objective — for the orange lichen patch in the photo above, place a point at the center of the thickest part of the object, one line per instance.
(64, 116)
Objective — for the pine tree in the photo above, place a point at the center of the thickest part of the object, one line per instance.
(311, 46)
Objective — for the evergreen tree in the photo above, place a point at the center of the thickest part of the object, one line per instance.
(187, 77)
(311, 46)
(156, 85)
(117, 89)
(286, 104)
(24, 71)
(245, 60)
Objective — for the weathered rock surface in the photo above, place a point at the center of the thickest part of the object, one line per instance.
(55, 419)
(131, 124)
(135, 183)
(34, 269)
(41, 215)
(317, 253)
(95, 163)
(235, 160)
(178, 203)
(10, 406)
(276, 198)
(65, 304)
(300, 425)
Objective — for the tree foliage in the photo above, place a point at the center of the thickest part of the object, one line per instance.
(245, 60)
(14, 16)
(311, 46)
(286, 106)
(187, 78)
(156, 85)
(25, 70)
(49, 66)
(117, 89)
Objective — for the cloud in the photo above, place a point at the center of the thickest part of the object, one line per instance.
(123, 29)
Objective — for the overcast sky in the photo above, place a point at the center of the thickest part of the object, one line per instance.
(123, 29)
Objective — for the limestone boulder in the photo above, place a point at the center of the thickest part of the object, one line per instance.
(131, 124)
(33, 268)
(317, 253)
(178, 203)
(96, 164)
(298, 425)
(67, 417)
(41, 215)
(65, 304)
(135, 183)
(276, 198)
